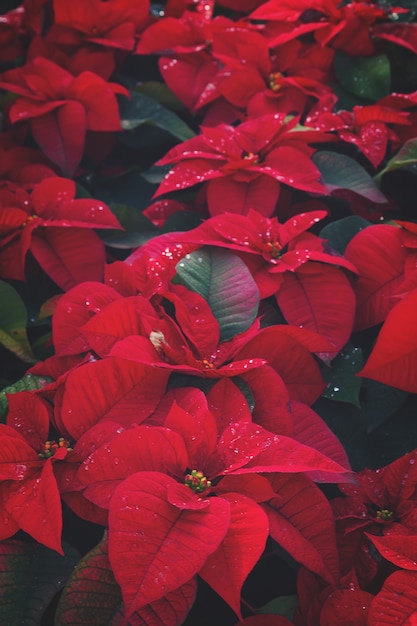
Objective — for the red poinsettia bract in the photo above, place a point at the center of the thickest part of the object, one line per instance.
(56, 228)
(29, 493)
(110, 23)
(61, 107)
(244, 167)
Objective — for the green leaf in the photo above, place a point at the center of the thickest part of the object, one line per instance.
(406, 158)
(181, 221)
(91, 593)
(137, 228)
(342, 383)
(13, 322)
(341, 172)
(141, 109)
(244, 388)
(381, 402)
(339, 233)
(365, 77)
(160, 92)
(283, 605)
(27, 383)
(225, 283)
(30, 576)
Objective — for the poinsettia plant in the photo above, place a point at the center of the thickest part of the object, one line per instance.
(208, 294)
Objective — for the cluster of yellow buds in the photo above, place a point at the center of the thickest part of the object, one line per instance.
(385, 515)
(50, 447)
(197, 481)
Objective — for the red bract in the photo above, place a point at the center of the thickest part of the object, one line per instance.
(382, 505)
(385, 257)
(29, 493)
(244, 167)
(283, 261)
(56, 228)
(369, 128)
(207, 462)
(393, 360)
(61, 108)
(345, 27)
(111, 23)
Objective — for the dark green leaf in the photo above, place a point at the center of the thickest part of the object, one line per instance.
(339, 233)
(137, 228)
(283, 605)
(92, 595)
(181, 221)
(244, 388)
(226, 284)
(342, 383)
(341, 172)
(13, 322)
(130, 189)
(406, 158)
(365, 77)
(381, 401)
(155, 174)
(30, 576)
(27, 383)
(160, 92)
(141, 109)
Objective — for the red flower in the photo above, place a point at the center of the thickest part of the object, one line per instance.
(29, 492)
(382, 507)
(345, 27)
(369, 128)
(198, 472)
(61, 108)
(56, 228)
(244, 167)
(289, 263)
(111, 23)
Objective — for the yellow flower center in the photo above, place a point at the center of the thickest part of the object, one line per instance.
(197, 481)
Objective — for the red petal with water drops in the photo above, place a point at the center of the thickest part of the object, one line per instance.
(310, 429)
(225, 194)
(73, 310)
(393, 360)
(30, 416)
(121, 390)
(379, 256)
(143, 448)
(320, 298)
(61, 135)
(228, 404)
(53, 199)
(121, 318)
(249, 448)
(154, 546)
(270, 409)
(290, 359)
(35, 504)
(396, 603)
(99, 101)
(188, 75)
(398, 549)
(61, 252)
(227, 568)
(349, 607)
(302, 522)
(198, 430)
(196, 319)
(119, 276)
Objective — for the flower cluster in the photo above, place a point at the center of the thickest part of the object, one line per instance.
(193, 266)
